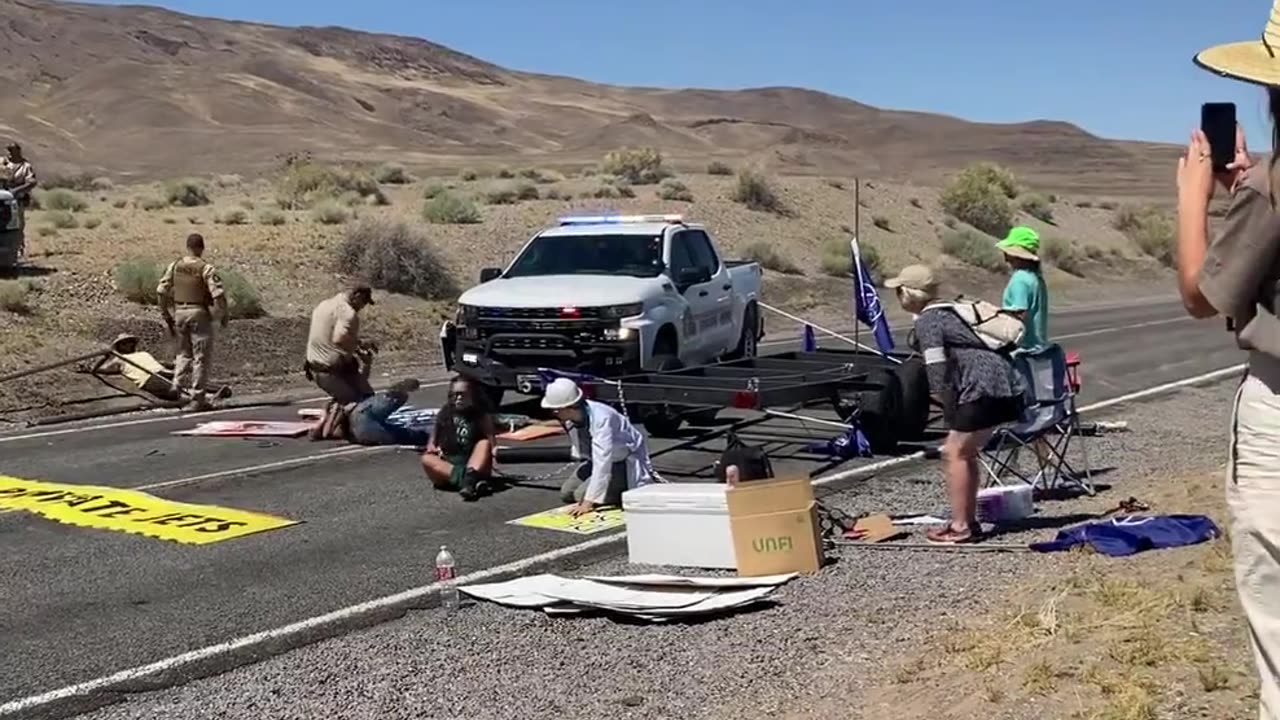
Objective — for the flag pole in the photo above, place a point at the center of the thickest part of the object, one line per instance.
(856, 261)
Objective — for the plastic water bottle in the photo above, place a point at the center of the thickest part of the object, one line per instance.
(447, 573)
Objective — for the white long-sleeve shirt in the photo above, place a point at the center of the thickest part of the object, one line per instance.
(613, 439)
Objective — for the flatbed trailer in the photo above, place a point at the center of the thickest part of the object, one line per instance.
(888, 394)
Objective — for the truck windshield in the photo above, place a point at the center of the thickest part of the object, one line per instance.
(636, 255)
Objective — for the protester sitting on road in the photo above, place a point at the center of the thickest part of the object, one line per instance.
(337, 360)
(978, 388)
(1237, 276)
(460, 449)
(143, 370)
(1026, 295)
(616, 452)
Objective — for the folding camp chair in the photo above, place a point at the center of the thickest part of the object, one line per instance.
(1051, 420)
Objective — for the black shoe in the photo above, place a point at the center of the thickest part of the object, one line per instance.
(469, 492)
(484, 487)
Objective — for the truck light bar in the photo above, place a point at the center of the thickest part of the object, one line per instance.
(619, 219)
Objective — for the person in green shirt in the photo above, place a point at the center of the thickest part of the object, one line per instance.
(459, 455)
(1026, 294)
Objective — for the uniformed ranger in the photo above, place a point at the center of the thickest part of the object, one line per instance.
(20, 174)
(191, 296)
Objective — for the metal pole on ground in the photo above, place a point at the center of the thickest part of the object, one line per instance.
(54, 366)
(853, 258)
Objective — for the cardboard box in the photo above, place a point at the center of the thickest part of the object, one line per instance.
(775, 527)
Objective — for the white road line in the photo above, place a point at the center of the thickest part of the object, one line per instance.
(333, 622)
(1118, 328)
(162, 418)
(1069, 336)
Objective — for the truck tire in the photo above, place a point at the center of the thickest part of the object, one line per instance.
(915, 399)
(749, 341)
(664, 421)
(881, 411)
(492, 394)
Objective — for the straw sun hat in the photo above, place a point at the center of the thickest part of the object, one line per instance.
(1254, 61)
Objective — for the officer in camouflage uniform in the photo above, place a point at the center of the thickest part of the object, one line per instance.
(191, 295)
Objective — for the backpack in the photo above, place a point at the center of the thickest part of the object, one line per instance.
(998, 329)
(752, 461)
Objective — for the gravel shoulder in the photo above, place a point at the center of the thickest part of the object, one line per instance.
(829, 648)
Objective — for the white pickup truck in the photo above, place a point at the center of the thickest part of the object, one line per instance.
(605, 296)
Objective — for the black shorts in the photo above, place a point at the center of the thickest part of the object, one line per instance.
(984, 413)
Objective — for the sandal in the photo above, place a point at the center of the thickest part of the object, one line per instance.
(948, 535)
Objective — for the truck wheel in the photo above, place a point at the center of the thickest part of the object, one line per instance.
(664, 421)
(915, 399)
(881, 411)
(493, 395)
(749, 341)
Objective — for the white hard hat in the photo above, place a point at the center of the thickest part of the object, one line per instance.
(561, 393)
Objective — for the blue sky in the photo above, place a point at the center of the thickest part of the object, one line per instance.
(1120, 68)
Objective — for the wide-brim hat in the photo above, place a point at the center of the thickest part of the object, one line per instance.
(1021, 242)
(123, 338)
(914, 277)
(1254, 61)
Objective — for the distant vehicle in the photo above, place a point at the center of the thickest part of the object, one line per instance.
(11, 230)
(607, 296)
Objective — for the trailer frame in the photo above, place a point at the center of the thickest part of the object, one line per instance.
(847, 379)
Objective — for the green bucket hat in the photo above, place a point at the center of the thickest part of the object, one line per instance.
(1021, 242)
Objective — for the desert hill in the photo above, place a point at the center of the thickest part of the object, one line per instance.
(144, 92)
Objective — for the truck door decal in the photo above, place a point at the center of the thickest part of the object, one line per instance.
(689, 322)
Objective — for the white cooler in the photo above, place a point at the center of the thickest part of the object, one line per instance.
(679, 524)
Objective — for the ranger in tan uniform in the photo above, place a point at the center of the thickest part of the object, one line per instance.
(338, 361)
(19, 173)
(191, 294)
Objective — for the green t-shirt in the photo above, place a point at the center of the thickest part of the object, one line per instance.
(1027, 292)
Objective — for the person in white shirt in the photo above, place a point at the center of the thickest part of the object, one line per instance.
(616, 452)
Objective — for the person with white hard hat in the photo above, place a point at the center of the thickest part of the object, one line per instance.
(616, 452)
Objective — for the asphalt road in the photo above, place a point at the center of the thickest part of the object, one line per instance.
(83, 603)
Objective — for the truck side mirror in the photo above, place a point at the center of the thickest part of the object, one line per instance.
(488, 274)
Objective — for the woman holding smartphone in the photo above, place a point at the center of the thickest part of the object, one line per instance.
(1236, 276)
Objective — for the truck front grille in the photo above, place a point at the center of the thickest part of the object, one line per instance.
(553, 313)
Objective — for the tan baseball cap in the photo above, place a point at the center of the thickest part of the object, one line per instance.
(914, 277)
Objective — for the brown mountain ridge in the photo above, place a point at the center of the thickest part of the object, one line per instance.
(146, 92)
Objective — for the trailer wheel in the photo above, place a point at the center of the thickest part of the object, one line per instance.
(664, 421)
(915, 399)
(881, 411)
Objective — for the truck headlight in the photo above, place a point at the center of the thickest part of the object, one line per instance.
(465, 314)
(622, 311)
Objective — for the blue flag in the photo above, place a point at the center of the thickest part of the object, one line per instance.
(1129, 535)
(866, 303)
(808, 342)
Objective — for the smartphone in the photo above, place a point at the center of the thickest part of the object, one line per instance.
(1218, 122)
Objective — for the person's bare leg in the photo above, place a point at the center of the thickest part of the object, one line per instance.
(481, 459)
(439, 471)
(969, 449)
(956, 471)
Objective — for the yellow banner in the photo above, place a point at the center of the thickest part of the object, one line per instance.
(130, 511)
(560, 519)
